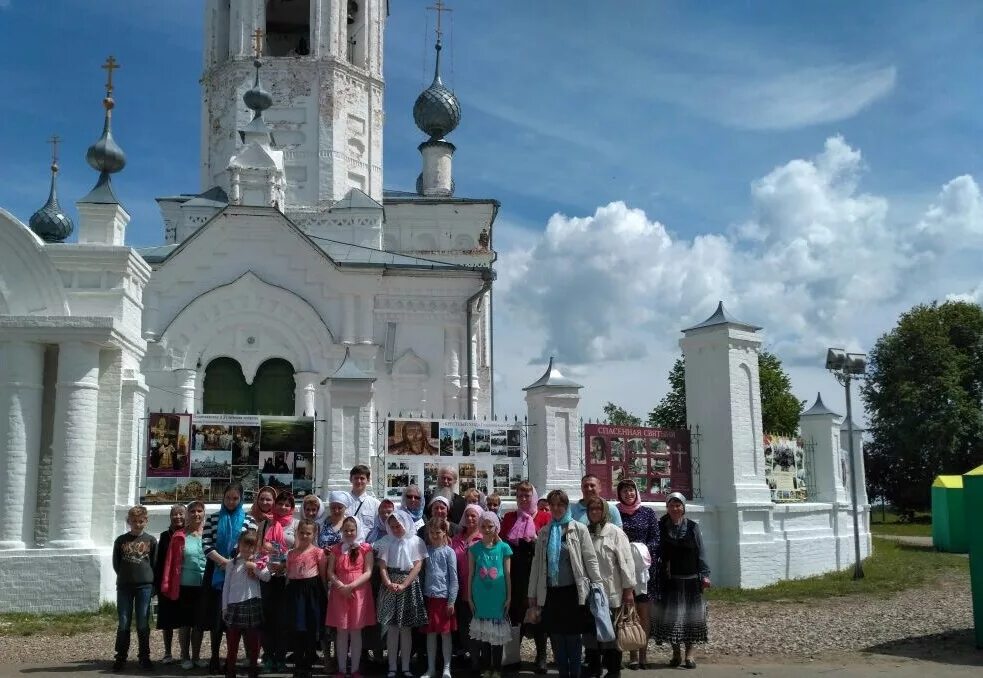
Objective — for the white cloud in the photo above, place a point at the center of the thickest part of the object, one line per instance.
(776, 101)
(819, 262)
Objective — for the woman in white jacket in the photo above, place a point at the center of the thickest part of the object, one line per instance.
(617, 564)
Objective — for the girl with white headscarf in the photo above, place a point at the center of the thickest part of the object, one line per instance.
(401, 606)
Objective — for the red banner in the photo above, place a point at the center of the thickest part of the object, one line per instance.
(657, 459)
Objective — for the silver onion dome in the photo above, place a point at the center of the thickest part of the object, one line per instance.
(256, 98)
(437, 112)
(50, 223)
(105, 156)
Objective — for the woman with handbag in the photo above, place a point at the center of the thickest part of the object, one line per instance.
(641, 526)
(617, 566)
(563, 568)
(681, 615)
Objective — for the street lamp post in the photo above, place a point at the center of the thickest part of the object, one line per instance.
(845, 366)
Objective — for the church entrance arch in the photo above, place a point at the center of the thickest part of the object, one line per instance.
(225, 389)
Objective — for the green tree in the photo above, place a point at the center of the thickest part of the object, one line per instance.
(923, 395)
(780, 409)
(619, 416)
(671, 410)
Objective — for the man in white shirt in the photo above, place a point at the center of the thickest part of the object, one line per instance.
(364, 506)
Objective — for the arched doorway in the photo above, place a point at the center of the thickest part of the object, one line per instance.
(226, 391)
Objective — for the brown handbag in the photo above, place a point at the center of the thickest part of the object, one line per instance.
(631, 636)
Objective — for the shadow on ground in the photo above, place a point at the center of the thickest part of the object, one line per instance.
(953, 647)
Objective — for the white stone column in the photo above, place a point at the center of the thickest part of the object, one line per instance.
(820, 427)
(348, 318)
(858, 459)
(452, 372)
(21, 392)
(555, 454)
(74, 445)
(186, 382)
(305, 395)
(366, 319)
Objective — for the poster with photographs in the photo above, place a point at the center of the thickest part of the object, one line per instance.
(399, 475)
(487, 455)
(168, 445)
(658, 460)
(785, 468)
(247, 449)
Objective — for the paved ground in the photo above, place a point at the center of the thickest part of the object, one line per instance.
(859, 665)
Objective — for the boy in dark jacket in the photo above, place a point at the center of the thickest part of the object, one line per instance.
(134, 554)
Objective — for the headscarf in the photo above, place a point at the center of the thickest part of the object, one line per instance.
(276, 533)
(227, 532)
(595, 528)
(524, 528)
(379, 530)
(629, 509)
(255, 512)
(554, 544)
(677, 531)
(339, 497)
(399, 552)
(493, 517)
(471, 508)
(439, 499)
(417, 513)
(322, 508)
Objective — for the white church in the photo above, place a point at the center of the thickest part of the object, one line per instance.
(290, 283)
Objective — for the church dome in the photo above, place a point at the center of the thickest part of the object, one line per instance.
(105, 156)
(256, 98)
(437, 112)
(50, 223)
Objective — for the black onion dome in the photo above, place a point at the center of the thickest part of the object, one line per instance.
(50, 223)
(105, 156)
(257, 99)
(437, 111)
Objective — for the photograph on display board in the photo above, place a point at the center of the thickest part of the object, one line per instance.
(399, 474)
(303, 466)
(213, 437)
(616, 449)
(481, 482)
(168, 445)
(466, 476)
(188, 489)
(286, 433)
(482, 441)
(211, 463)
(278, 481)
(413, 437)
(430, 478)
(636, 447)
(217, 488)
(447, 434)
(248, 477)
(513, 437)
(598, 449)
(514, 481)
(160, 491)
(499, 439)
(302, 488)
(785, 470)
(276, 462)
(245, 445)
(658, 447)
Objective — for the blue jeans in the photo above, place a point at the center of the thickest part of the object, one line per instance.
(566, 652)
(130, 598)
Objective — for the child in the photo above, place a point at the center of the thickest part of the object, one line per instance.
(306, 567)
(489, 592)
(242, 602)
(351, 606)
(134, 554)
(440, 587)
(401, 605)
(493, 502)
(168, 613)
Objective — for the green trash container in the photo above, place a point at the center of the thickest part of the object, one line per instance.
(949, 515)
(973, 488)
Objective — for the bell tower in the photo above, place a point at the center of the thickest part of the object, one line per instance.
(322, 63)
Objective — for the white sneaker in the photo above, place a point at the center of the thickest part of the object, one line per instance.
(187, 664)
(447, 673)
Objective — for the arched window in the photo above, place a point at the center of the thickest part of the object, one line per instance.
(273, 388)
(226, 390)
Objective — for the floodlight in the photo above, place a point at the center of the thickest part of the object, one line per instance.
(835, 359)
(856, 363)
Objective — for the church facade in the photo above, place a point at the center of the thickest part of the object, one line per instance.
(290, 283)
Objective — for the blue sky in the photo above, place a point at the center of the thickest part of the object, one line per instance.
(720, 140)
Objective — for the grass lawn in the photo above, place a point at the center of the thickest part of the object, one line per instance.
(893, 567)
(887, 523)
(23, 624)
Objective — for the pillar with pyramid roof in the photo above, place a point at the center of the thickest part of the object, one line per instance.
(820, 427)
(555, 453)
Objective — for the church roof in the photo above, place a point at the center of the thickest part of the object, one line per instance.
(553, 377)
(819, 408)
(393, 196)
(356, 199)
(722, 317)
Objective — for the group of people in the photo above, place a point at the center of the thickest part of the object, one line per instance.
(441, 575)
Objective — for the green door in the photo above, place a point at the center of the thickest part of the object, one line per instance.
(226, 390)
(273, 388)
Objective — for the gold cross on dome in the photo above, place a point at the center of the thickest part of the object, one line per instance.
(439, 8)
(258, 42)
(110, 66)
(54, 141)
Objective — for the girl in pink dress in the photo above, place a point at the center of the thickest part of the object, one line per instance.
(351, 606)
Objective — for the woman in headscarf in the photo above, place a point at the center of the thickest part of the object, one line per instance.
(563, 568)
(263, 501)
(413, 504)
(681, 614)
(330, 530)
(219, 540)
(641, 525)
(439, 507)
(386, 508)
(277, 535)
(462, 541)
(168, 617)
(617, 565)
(519, 529)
